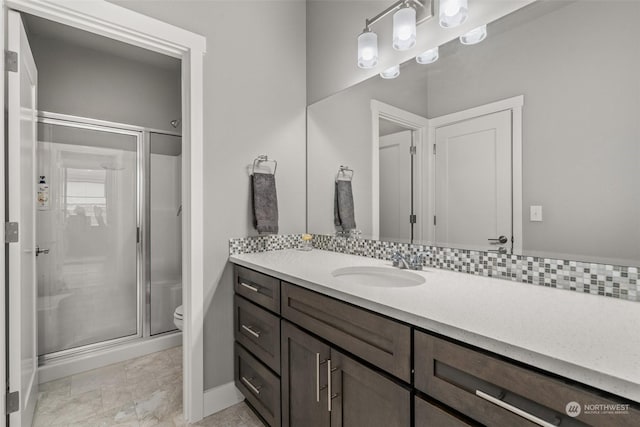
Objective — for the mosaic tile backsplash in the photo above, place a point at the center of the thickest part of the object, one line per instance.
(597, 279)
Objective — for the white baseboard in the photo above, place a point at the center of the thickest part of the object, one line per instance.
(218, 398)
(86, 362)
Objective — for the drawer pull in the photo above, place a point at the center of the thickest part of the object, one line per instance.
(251, 288)
(513, 409)
(317, 377)
(251, 331)
(330, 394)
(255, 389)
(329, 385)
(318, 388)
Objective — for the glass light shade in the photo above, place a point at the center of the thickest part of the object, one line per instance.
(404, 28)
(367, 50)
(474, 36)
(453, 12)
(391, 72)
(428, 57)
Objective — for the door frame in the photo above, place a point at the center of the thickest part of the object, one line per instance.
(513, 104)
(418, 124)
(116, 22)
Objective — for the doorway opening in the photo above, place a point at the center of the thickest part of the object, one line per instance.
(118, 23)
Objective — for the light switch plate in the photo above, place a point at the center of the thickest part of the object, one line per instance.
(535, 213)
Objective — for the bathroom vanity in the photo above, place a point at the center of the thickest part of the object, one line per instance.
(315, 348)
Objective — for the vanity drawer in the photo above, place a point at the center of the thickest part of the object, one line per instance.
(258, 385)
(376, 339)
(428, 415)
(257, 287)
(257, 330)
(491, 390)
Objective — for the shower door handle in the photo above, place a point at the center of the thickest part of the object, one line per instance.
(41, 251)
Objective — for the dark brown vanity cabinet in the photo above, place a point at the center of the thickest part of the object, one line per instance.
(257, 287)
(304, 379)
(496, 392)
(427, 414)
(383, 342)
(323, 387)
(303, 359)
(257, 348)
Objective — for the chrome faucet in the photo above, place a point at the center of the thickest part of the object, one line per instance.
(415, 263)
(399, 261)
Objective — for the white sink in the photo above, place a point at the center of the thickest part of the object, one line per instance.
(378, 276)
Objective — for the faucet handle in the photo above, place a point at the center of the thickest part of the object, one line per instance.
(395, 259)
(418, 260)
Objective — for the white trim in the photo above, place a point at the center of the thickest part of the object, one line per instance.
(516, 177)
(3, 302)
(515, 105)
(98, 359)
(119, 23)
(115, 22)
(218, 398)
(483, 110)
(408, 120)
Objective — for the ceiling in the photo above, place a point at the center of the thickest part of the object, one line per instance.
(44, 28)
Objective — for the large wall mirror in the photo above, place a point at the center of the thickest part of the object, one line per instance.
(527, 143)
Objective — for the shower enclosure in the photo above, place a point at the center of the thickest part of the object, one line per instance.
(109, 234)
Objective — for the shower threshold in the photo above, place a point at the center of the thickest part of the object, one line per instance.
(76, 360)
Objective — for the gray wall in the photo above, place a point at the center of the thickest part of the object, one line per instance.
(581, 137)
(254, 103)
(84, 82)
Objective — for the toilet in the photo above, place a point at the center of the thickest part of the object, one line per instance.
(177, 317)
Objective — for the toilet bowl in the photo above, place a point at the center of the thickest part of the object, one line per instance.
(177, 317)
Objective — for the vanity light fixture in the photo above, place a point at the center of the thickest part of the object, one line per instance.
(453, 13)
(407, 14)
(428, 57)
(367, 49)
(404, 27)
(474, 36)
(391, 72)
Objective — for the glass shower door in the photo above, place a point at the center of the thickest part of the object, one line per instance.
(88, 216)
(166, 230)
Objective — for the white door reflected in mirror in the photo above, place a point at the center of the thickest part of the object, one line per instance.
(473, 182)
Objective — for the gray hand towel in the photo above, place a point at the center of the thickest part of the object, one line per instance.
(343, 213)
(265, 202)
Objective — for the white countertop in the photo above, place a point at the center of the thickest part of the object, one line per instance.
(591, 339)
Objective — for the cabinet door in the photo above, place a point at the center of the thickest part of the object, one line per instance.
(361, 397)
(304, 379)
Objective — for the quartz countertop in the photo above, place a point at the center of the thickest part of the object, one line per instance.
(591, 339)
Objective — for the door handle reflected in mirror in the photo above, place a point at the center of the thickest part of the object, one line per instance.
(499, 241)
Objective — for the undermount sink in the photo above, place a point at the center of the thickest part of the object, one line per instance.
(379, 277)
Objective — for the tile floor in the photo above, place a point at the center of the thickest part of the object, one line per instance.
(141, 392)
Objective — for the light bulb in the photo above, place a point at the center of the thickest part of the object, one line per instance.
(367, 49)
(404, 28)
(391, 72)
(474, 36)
(453, 12)
(428, 57)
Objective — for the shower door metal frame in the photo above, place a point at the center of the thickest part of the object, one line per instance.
(143, 225)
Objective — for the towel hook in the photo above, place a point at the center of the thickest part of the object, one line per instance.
(346, 172)
(263, 158)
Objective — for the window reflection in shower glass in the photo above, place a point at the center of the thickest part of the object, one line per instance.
(88, 283)
(166, 236)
